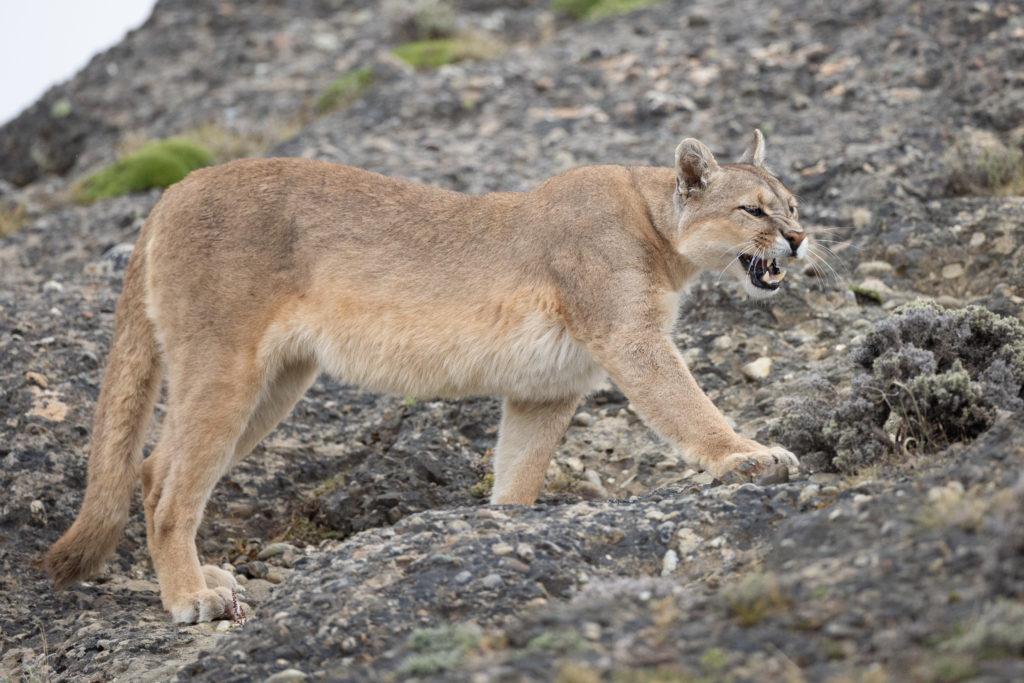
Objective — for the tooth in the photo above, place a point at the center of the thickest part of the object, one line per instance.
(764, 278)
(781, 274)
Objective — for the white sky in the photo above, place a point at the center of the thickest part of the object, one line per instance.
(45, 42)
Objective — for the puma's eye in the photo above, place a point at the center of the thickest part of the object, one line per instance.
(792, 210)
(755, 211)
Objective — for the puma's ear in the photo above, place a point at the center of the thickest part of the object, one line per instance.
(754, 156)
(695, 166)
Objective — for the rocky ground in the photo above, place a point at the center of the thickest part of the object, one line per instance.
(359, 525)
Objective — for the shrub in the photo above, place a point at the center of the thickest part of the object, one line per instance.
(979, 163)
(345, 90)
(930, 377)
(158, 164)
(420, 19)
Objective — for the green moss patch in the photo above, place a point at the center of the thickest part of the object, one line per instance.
(158, 164)
(430, 54)
(598, 9)
(345, 90)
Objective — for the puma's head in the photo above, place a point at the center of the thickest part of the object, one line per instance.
(736, 218)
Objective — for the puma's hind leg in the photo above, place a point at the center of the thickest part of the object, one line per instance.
(215, 419)
(527, 438)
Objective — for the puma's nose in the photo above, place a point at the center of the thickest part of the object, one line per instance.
(795, 239)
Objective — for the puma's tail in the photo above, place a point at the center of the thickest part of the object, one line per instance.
(131, 385)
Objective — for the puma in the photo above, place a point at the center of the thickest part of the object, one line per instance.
(249, 279)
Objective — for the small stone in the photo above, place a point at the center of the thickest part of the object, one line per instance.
(492, 581)
(525, 552)
(286, 676)
(591, 630)
(502, 549)
(736, 477)
(762, 394)
(223, 626)
(952, 271)
(273, 550)
(687, 540)
(515, 565)
(949, 302)
(52, 286)
(977, 239)
(810, 491)
(758, 369)
(275, 577)
(702, 478)
(458, 526)
(822, 478)
(255, 570)
(583, 419)
(37, 379)
(723, 343)
(666, 531)
(463, 577)
(655, 515)
(829, 490)
(669, 563)
(38, 511)
(776, 474)
(873, 269)
(574, 464)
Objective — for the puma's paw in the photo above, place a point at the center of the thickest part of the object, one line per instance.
(204, 605)
(756, 461)
(218, 578)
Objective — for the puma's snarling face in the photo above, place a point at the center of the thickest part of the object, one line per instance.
(740, 219)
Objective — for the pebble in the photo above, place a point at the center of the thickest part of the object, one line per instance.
(37, 379)
(223, 626)
(665, 532)
(758, 369)
(273, 550)
(723, 343)
(515, 565)
(492, 581)
(525, 552)
(702, 478)
(669, 563)
(458, 526)
(53, 286)
(822, 478)
(654, 515)
(687, 541)
(583, 419)
(873, 268)
(254, 569)
(778, 474)
(286, 676)
(810, 491)
(463, 577)
(952, 271)
(502, 549)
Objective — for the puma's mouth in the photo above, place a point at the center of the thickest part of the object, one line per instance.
(764, 274)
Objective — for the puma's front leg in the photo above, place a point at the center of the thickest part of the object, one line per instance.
(527, 438)
(650, 371)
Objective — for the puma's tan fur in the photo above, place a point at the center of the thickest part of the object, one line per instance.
(250, 278)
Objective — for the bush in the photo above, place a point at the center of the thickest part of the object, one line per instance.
(345, 90)
(979, 164)
(931, 377)
(158, 164)
(420, 19)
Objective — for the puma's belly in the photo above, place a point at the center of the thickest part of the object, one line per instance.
(516, 349)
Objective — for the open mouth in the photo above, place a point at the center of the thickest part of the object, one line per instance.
(764, 274)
